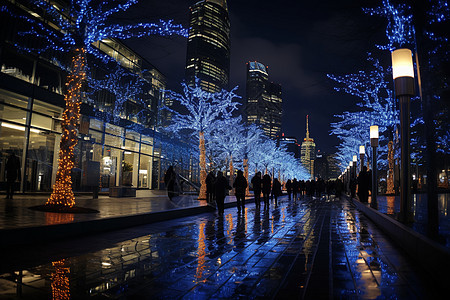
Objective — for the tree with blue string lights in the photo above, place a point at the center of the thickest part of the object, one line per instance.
(74, 30)
(377, 106)
(123, 85)
(203, 115)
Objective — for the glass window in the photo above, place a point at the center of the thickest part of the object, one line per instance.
(145, 171)
(13, 99)
(13, 114)
(109, 166)
(47, 109)
(48, 78)
(147, 139)
(40, 166)
(146, 149)
(130, 145)
(132, 135)
(130, 168)
(96, 124)
(49, 117)
(17, 65)
(12, 138)
(113, 141)
(113, 129)
(96, 137)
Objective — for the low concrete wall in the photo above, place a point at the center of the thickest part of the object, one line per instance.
(432, 256)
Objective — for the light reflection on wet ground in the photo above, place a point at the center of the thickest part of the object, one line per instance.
(390, 205)
(311, 248)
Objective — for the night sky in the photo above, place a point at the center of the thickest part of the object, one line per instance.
(300, 41)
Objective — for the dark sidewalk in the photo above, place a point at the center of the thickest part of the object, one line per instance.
(21, 225)
(312, 249)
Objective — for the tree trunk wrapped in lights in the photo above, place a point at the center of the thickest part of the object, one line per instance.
(202, 163)
(390, 179)
(60, 280)
(62, 194)
(247, 190)
(231, 173)
(88, 23)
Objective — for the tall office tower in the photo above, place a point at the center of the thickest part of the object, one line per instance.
(264, 100)
(308, 151)
(208, 48)
(291, 145)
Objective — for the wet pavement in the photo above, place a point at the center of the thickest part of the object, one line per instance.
(390, 205)
(16, 213)
(311, 249)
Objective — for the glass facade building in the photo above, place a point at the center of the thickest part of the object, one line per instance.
(112, 150)
(264, 102)
(208, 47)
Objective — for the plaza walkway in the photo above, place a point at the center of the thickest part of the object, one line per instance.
(312, 249)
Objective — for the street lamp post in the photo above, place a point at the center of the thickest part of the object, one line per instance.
(403, 73)
(362, 152)
(374, 144)
(355, 165)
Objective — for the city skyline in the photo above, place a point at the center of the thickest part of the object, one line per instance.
(297, 57)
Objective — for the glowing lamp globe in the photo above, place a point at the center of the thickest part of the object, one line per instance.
(403, 72)
(355, 159)
(374, 136)
(402, 63)
(362, 150)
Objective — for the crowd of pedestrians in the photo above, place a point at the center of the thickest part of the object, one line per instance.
(217, 188)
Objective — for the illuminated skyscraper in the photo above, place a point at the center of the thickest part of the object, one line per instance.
(308, 152)
(208, 48)
(264, 101)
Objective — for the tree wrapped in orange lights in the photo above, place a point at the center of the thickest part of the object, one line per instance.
(80, 24)
(62, 189)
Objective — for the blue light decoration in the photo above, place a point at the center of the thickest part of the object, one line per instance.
(376, 108)
(82, 24)
(208, 121)
(75, 29)
(124, 86)
(203, 112)
(400, 32)
(400, 29)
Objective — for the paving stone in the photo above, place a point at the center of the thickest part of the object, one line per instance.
(309, 248)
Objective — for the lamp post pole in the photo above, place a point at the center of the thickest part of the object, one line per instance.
(374, 144)
(403, 73)
(362, 152)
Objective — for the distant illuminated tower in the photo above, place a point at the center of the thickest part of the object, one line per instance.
(264, 102)
(208, 47)
(308, 151)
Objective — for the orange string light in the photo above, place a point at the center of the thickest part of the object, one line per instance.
(62, 194)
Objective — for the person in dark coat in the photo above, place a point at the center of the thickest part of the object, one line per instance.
(289, 188)
(209, 181)
(276, 190)
(363, 185)
(266, 187)
(170, 179)
(12, 173)
(240, 185)
(256, 183)
(294, 188)
(220, 188)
